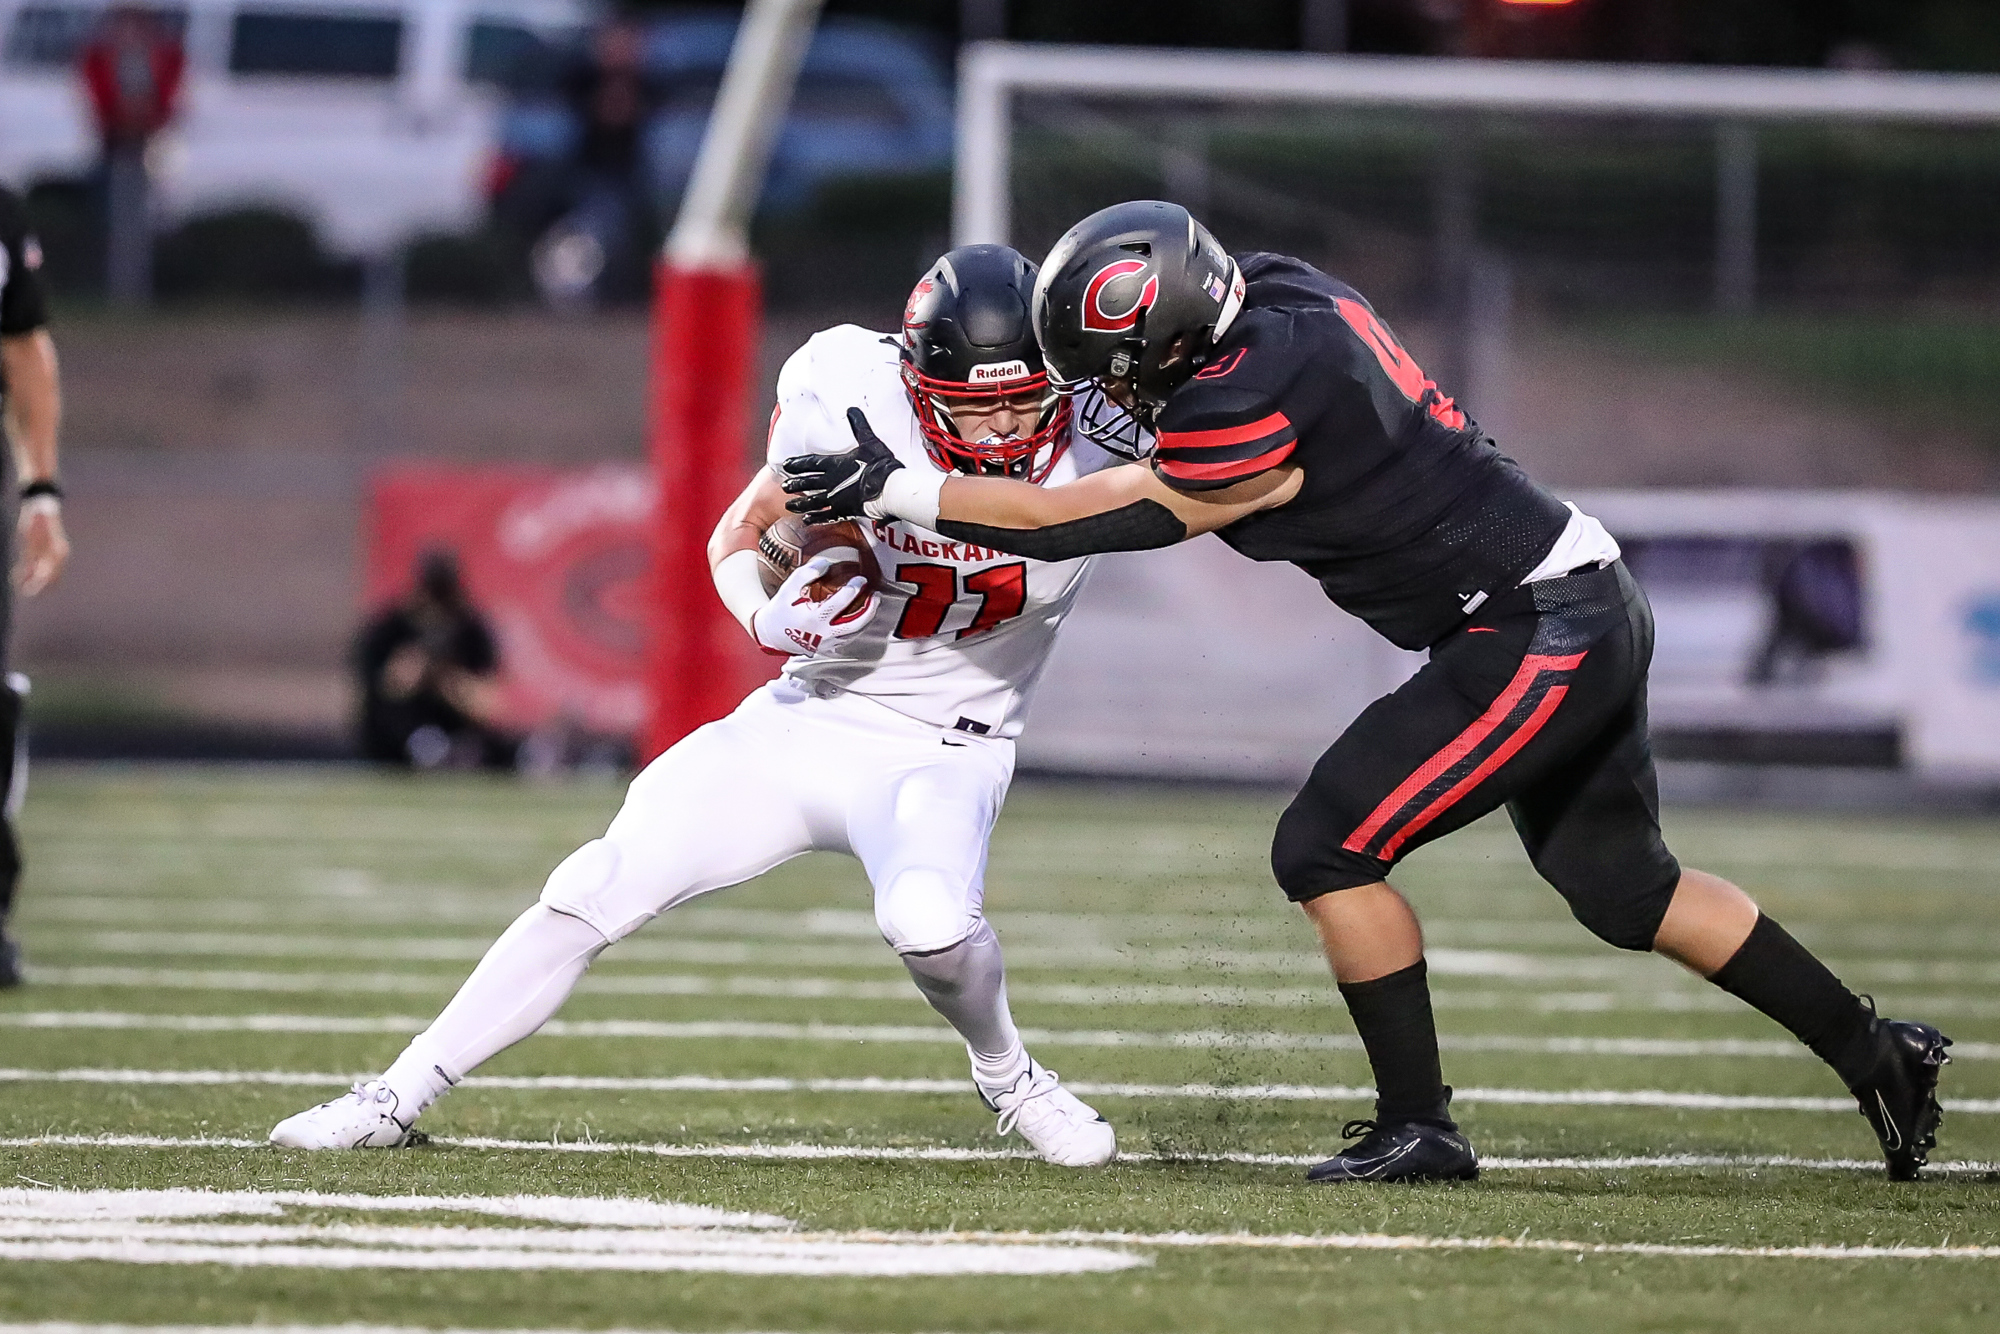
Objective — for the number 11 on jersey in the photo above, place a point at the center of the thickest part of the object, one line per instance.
(1002, 591)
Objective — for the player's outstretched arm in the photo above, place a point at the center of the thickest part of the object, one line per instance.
(1125, 508)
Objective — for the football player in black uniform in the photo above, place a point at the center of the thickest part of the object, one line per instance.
(1266, 402)
(33, 401)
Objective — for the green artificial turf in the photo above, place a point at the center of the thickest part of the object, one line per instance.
(293, 895)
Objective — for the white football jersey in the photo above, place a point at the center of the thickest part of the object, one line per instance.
(964, 631)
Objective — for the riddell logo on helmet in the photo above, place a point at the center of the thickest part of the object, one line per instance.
(999, 370)
(1097, 319)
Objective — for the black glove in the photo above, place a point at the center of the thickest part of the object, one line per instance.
(827, 488)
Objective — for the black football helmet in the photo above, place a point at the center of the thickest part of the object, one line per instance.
(1114, 295)
(968, 342)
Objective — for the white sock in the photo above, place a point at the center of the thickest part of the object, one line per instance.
(417, 1080)
(967, 984)
(517, 987)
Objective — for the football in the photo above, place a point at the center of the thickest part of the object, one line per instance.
(791, 541)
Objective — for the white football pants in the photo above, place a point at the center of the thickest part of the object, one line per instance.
(788, 773)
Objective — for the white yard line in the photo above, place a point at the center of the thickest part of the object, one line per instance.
(809, 987)
(598, 1234)
(942, 1154)
(1376, 1241)
(733, 1030)
(47, 1207)
(1055, 951)
(818, 988)
(666, 948)
(428, 906)
(898, 988)
(611, 1234)
(872, 1084)
(238, 979)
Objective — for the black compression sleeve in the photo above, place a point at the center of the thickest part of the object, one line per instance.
(1139, 526)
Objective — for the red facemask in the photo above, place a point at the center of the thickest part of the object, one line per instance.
(1026, 458)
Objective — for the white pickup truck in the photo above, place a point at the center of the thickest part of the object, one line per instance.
(372, 120)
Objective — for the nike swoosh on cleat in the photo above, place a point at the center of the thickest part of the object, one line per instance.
(1889, 1121)
(1378, 1164)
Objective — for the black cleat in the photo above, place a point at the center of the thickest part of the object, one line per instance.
(10, 963)
(1899, 1097)
(1400, 1151)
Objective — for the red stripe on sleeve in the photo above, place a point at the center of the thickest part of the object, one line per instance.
(1208, 472)
(1225, 435)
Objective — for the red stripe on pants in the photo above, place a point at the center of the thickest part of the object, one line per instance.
(1499, 757)
(1532, 666)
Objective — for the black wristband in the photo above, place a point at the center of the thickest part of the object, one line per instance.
(42, 486)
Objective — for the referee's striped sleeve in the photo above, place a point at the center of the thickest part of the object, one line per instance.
(1221, 456)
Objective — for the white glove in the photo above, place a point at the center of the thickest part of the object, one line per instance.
(792, 623)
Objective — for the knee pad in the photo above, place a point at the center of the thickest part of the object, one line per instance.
(1308, 861)
(585, 886)
(922, 909)
(1629, 921)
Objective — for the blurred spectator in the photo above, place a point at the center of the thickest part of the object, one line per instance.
(132, 70)
(1816, 599)
(612, 96)
(599, 245)
(32, 398)
(427, 667)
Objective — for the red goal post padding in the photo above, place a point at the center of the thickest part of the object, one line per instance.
(706, 353)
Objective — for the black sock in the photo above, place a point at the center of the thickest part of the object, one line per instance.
(1393, 1016)
(1781, 977)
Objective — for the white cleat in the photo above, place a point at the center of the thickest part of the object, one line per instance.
(361, 1118)
(1060, 1126)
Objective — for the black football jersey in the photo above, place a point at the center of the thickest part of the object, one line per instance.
(22, 306)
(1409, 516)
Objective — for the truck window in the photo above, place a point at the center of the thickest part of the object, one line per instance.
(347, 46)
(49, 36)
(508, 55)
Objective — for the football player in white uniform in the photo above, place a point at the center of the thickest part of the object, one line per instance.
(889, 735)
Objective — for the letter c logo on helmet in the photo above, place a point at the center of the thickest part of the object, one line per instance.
(1096, 319)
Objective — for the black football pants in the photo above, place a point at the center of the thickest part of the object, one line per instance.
(1538, 703)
